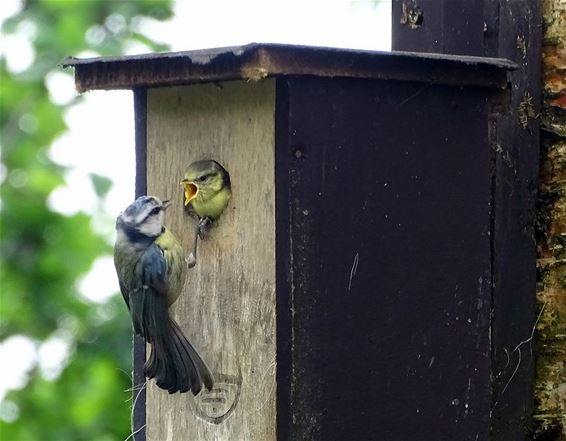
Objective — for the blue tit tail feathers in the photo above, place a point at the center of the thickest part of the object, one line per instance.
(173, 361)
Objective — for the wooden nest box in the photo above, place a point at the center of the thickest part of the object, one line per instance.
(347, 293)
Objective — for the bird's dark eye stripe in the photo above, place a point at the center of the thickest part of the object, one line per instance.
(153, 212)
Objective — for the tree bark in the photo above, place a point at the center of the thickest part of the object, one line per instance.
(549, 421)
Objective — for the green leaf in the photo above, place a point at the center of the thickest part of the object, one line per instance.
(101, 184)
(44, 255)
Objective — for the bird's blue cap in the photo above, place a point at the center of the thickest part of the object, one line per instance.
(137, 205)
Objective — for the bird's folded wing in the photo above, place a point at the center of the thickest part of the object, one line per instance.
(147, 300)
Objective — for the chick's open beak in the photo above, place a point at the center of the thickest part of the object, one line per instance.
(191, 191)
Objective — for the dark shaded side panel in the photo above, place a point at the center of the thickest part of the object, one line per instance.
(383, 261)
(463, 27)
(509, 29)
(139, 353)
(516, 182)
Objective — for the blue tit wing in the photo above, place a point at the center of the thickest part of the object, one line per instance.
(123, 290)
(147, 296)
(153, 270)
(173, 362)
(123, 271)
(148, 307)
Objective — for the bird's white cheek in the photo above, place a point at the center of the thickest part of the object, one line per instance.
(152, 227)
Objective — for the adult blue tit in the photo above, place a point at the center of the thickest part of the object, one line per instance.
(151, 270)
(207, 191)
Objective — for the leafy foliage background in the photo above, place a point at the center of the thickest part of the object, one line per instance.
(43, 254)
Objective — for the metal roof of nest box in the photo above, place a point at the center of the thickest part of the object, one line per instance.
(256, 61)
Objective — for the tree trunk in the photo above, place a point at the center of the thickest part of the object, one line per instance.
(550, 386)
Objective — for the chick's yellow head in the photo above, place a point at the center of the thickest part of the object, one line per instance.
(203, 180)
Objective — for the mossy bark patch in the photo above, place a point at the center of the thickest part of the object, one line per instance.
(549, 420)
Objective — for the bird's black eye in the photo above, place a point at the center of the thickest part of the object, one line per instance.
(156, 210)
(202, 178)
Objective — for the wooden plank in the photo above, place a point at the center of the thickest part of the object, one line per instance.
(412, 18)
(284, 320)
(228, 307)
(512, 31)
(387, 263)
(139, 392)
(463, 27)
(466, 29)
(516, 154)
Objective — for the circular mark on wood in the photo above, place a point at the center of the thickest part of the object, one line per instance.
(216, 405)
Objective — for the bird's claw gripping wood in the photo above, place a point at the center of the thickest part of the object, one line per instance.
(203, 227)
(192, 258)
(201, 231)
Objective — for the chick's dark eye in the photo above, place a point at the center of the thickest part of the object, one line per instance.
(202, 178)
(156, 210)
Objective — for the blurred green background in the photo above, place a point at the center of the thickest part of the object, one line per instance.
(78, 386)
(65, 344)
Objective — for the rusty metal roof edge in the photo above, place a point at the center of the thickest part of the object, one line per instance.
(258, 61)
(205, 56)
(198, 56)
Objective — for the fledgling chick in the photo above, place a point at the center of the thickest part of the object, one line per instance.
(151, 270)
(207, 191)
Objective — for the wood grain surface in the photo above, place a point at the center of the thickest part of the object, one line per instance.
(227, 308)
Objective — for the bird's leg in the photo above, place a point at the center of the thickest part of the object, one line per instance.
(203, 226)
(200, 232)
(192, 258)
